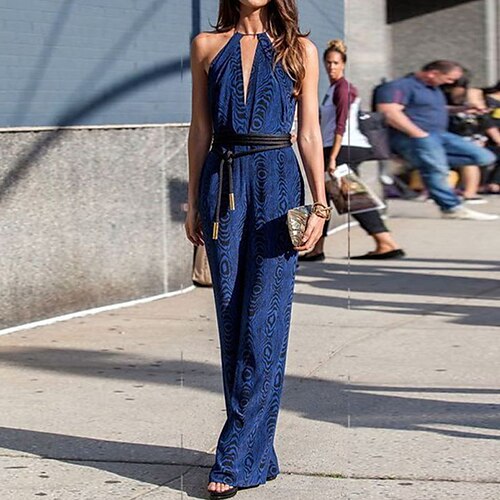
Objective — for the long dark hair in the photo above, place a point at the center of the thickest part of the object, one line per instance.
(284, 30)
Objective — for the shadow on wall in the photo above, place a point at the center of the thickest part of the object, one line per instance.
(40, 68)
(119, 90)
(177, 190)
(74, 115)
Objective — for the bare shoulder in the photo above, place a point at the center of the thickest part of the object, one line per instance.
(201, 43)
(310, 49)
(206, 38)
(206, 45)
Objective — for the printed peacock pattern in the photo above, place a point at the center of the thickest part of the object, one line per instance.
(252, 262)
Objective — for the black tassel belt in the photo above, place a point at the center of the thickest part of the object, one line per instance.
(222, 145)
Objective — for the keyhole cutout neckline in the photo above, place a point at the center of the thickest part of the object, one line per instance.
(247, 70)
(247, 85)
(237, 37)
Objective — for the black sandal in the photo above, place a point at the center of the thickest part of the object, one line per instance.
(230, 493)
(307, 257)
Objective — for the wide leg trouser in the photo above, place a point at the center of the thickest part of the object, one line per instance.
(253, 267)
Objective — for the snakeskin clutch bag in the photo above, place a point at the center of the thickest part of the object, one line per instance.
(296, 219)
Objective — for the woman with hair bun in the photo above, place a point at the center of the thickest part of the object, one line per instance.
(249, 75)
(338, 114)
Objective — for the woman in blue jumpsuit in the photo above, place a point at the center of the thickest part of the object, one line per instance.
(243, 178)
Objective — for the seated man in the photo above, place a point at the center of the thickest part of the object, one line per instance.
(471, 118)
(415, 108)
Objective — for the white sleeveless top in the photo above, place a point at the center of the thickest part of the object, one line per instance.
(328, 118)
(328, 111)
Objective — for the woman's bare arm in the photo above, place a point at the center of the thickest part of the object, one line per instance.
(308, 130)
(200, 133)
(310, 142)
(200, 130)
(341, 102)
(337, 144)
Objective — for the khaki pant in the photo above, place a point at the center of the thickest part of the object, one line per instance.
(201, 270)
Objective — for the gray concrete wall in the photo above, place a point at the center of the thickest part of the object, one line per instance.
(90, 217)
(456, 32)
(368, 43)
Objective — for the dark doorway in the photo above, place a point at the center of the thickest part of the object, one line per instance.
(398, 10)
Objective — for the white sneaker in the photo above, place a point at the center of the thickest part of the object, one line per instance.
(475, 200)
(464, 213)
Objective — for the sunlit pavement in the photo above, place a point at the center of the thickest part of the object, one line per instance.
(392, 388)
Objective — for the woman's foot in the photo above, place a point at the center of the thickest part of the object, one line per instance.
(312, 256)
(385, 248)
(221, 490)
(398, 253)
(316, 254)
(384, 244)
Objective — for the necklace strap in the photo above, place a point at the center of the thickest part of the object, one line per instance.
(251, 34)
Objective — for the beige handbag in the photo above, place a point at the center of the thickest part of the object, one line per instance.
(201, 270)
(298, 217)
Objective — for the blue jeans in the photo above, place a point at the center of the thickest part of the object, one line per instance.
(434, 155)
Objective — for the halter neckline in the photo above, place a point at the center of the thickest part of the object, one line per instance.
(250, 34)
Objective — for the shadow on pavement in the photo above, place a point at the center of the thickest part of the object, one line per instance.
(426, 282)
(158, 465)
(368, 406)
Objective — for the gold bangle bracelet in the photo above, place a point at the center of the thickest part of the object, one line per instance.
(322, 211)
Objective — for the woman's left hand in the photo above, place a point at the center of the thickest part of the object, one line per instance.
(313, 233)
(332, 165)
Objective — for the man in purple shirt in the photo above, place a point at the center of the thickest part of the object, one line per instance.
(415, 109)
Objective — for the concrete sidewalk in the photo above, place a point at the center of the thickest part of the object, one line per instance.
(397, 397)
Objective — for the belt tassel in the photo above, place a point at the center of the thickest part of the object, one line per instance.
(266, 143)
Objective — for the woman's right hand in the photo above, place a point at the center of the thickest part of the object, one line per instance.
(313, 232)
(193, 227)
(332, 165)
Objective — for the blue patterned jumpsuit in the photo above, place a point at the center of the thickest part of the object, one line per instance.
(252, 262)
